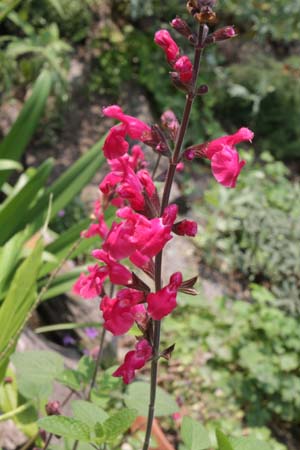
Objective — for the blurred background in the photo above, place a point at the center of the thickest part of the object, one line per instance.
(63, 60)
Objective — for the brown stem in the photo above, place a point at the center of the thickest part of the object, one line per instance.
(98, 361)
(165, 201)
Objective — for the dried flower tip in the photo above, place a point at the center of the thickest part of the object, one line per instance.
(182, 28)
(206, 17)
(53, 408)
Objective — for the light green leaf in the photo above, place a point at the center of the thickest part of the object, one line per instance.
(66, 427)
(17, 304)
(223, 441)
(249, 443)
(138, 395)
(88, 412)
(118, 423)
(9, 164)
(70, 378)
(194, 434)
(36, 371)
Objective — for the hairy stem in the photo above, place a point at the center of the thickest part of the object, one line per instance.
(165, 201)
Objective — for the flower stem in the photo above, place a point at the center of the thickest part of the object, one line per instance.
(202, 32)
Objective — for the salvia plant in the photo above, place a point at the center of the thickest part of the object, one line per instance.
(144, 217)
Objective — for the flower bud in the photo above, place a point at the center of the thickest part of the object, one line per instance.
(182, 28)
(203, 89)
(165, 41)
(53, 408)
(221, 35)
(175, 78)
(185, 228)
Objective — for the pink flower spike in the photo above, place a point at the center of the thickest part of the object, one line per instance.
(165, 41)
(185, 69)
(226, 166)
(115, 144)
(135, 359)
(90, 286)
(162, 303)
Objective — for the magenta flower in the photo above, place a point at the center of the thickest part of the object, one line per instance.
(165, 41)
(115, 144)
(120, 313)
(135, 359)
(118, 274)
(185, 69)
(186, 228)
(90, 286)
(162, 303)
(137, 233)
(134, 127)
(225, 161)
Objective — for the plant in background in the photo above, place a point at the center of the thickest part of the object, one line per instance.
(260, 235)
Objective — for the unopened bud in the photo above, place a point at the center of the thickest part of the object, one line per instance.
(170, 122)
(185, 228)
(221, 35)
(203, 89)
(182, 28)
(53, 408)
(189, 154)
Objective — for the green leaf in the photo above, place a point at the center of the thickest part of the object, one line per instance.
(10, 254)
(36, 371)
(24, 127)
(17, 303)
(67, 326)
(70, 378)
(10, 221)
(86, 368)
(138, 395)
(62, 283)
(223, 441)
(66, 427)
(118, 423)
(6, 9)
(8, 164)
(88, 412)
(249, 443)
(194, 434)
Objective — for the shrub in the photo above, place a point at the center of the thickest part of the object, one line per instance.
(255, 230)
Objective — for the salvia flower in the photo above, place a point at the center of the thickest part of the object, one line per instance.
(90, 286)
(185, 69)
(165, 41)
(134, 360)
(162, 303)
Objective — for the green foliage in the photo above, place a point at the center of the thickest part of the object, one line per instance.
(254, 229)
(264, 96)
(276, 19)
(248, 357)
(194, 435)
(36, 371)
(138, 396)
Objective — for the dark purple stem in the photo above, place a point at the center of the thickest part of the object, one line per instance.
(202, 33)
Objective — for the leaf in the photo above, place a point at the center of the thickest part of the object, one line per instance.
(194, 434)
(11, 221)
(223, 441)
(17, 303)
(86, 368)
(36, 371)
(138, 395)
(70, 378)
(66, 427)
(249, 443)
(9, 164)
(6, 9)
(118, 423)
(10, 254)
(24, 127)
(88, 412)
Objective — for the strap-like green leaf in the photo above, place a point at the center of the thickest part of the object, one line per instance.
(22, 130)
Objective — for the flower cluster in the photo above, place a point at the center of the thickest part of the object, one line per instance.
(144, 223)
